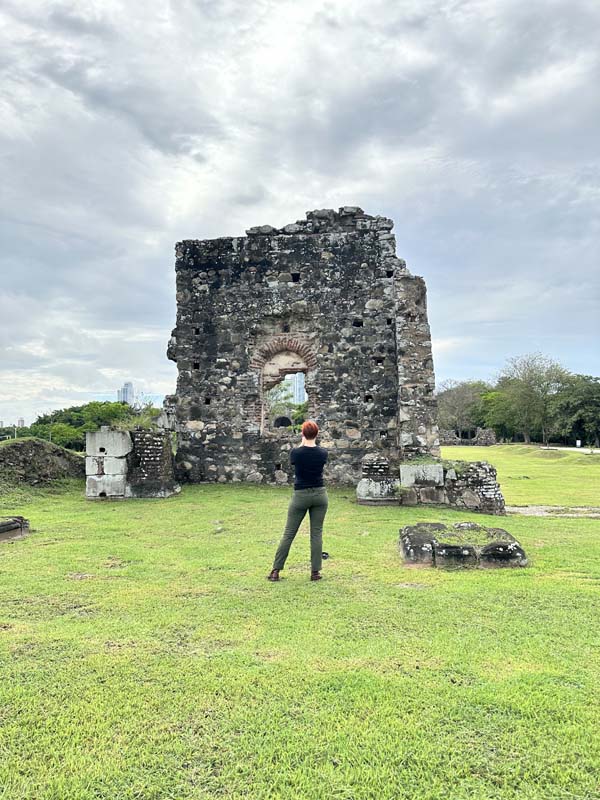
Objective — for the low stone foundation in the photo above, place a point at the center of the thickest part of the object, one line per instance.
(460, 484)
(122, 464)
(484, 437)
(465, 544)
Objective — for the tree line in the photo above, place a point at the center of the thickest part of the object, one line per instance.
(534, 399)
(67, 427)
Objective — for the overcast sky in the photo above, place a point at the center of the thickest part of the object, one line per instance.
(128, 126)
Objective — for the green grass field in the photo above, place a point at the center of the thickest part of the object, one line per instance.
(529, 475)
(144, 655)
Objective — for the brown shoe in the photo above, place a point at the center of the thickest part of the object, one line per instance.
(315, 576)
(273, 575)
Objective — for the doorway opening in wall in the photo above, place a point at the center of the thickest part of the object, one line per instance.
(286, 403)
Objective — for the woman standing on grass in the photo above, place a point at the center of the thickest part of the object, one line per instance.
(309, 495)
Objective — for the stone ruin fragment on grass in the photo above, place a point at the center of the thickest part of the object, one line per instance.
(327, 297)
(471, 485)
(136, 463)
(12, 528)
(464, 544)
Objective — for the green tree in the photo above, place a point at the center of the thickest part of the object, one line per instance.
(499, 414)
(460, 405)
(530, 385)
(89, 417)
(577, 409)
(279, 400)
(300, 413)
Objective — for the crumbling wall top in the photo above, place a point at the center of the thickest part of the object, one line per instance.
(347, 219)
(326, 220)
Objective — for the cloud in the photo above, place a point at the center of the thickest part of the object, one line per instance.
(126, 128)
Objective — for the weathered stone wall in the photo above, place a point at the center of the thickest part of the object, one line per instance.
(461, 484)
(448, 438)
(470, 485)
(326, 296)
(36, 461)
(484, 437)
(150, 465)
(129, 464)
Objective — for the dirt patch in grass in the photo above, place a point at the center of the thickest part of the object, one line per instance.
(590, 512)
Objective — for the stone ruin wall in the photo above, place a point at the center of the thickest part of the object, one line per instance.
(484, 437)
(326, 296)
(137, 463)
(472, 486)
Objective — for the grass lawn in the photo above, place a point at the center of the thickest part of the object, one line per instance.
(531, 476)
(144, 655)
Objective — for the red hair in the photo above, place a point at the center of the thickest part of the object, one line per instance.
(310, 429)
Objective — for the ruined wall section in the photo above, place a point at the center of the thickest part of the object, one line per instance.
(417, 407)
(322, 290)
(137, 463)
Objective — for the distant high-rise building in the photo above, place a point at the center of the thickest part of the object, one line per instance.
(297, 387)
(20, 422)
(126, 394)
(1, 423)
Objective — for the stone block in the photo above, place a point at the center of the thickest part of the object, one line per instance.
(105, 465)
(409, 496)
(108, 443)
(281, 477)
(454, 555)
(422, 474)
(97, 486)
(416, 542)
(503, 554)
(371, 491)
(432, 495)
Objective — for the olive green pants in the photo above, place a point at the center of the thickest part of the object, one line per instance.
(314, 501)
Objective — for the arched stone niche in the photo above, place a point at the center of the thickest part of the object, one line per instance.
(282, 356)
(278, 366)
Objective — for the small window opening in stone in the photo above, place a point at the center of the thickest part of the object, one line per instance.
(368, 398)
(102, 449)
(207, 401)
(358, 323)
(390, 273)
(277, 466)
(379, 361)
(383, 434)
(197, 331)
(196, 365)
(286, 328)
(296, 277)
(389, 321)
(330, 348)
(102, 494)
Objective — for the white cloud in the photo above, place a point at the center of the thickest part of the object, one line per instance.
(126, 128)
